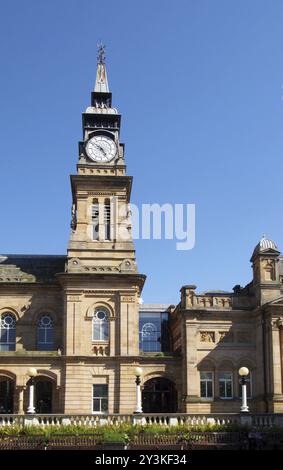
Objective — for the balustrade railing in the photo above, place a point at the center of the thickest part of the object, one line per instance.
(170, 419)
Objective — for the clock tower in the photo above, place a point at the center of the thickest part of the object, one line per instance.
(101, 238)
(101, 283)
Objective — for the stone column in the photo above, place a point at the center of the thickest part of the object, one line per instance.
(20, 397)
(192, 380)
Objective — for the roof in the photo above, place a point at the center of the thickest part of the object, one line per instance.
(264, 245)
(31, 268)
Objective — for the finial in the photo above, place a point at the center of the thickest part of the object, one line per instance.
(101, 53)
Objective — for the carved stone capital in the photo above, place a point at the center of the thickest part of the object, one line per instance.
(278, 323)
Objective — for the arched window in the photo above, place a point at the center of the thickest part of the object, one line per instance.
(7, 332)
(150, 336)
(45, 333)
(100, 323)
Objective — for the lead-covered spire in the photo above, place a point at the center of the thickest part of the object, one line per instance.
(101, 82)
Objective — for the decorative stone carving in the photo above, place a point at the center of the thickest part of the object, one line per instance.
(127, 299)
(102, 269)
(101, 350)
(207, 336)
(277, 323)
(74, 264)
(26, 307)
(74, 298)
(97, 193)
(128, 265)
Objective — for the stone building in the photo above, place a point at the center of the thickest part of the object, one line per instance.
(78, 320)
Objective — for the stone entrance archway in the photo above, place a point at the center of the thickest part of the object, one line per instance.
(7, 389)
(159, 395)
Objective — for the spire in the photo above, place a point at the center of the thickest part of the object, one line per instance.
(101, 83)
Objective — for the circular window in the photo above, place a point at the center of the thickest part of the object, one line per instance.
(45, 321)
(8, 321)
(101, 315)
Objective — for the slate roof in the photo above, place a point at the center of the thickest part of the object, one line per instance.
(31, 268)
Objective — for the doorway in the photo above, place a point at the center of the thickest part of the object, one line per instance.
(159, 395)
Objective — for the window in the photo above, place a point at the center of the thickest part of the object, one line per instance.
(153, 332)
(100, 325)
(107, 215)
(7, 332)
(226, 385)
(95, 219)
(45, 333)
(249, 387)
(100, 398)
(206, 384)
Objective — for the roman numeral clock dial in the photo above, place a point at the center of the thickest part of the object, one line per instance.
(101, 149)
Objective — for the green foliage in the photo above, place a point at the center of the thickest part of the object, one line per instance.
(121, 433)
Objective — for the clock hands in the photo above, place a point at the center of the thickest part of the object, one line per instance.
(101, 149)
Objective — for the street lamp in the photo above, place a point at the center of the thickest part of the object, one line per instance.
(243, 373)
(32, 373)
(138, 374)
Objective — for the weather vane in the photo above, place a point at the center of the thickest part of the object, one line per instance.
(101, 53)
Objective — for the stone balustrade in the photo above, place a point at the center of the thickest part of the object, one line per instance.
(191, 300)
(172, 419)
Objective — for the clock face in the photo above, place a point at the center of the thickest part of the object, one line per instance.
(101, 149)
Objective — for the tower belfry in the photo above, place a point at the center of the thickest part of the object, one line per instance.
(101, 238)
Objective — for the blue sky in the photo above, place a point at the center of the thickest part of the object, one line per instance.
(199, 86)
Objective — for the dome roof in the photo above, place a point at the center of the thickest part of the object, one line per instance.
(264, 245)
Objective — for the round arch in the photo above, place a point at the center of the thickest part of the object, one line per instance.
(157, 374)
(8, 374)
(99, 304)
(10, 310)
(44, 311)
(47, 374)
(159, 395)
